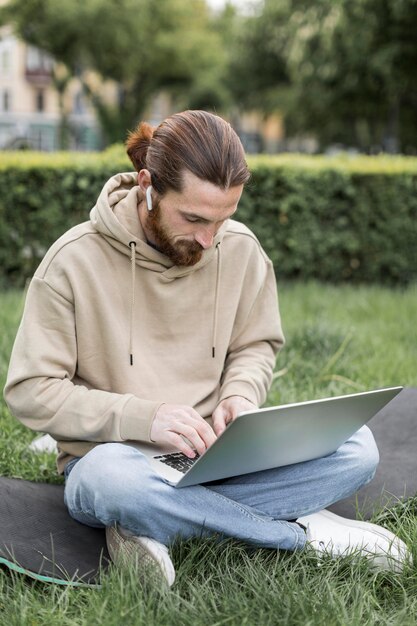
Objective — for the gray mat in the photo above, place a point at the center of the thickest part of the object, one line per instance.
(395, 431)
(40, 539)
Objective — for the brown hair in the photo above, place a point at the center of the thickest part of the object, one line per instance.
(197, 141)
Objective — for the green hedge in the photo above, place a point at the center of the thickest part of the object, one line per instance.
(336, 219)
(333, 219)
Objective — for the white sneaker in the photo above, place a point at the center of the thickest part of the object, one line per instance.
(45, 443)
(152, 557)
(338, 536)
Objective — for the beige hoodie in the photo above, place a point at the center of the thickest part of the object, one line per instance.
(112, 329)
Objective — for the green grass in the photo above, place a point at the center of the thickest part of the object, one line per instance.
(339, 340)
(345, 339)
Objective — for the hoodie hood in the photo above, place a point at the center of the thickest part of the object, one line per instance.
(115, 217)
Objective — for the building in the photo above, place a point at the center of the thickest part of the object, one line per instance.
(43, 108)
(260, 133)
(33, 112)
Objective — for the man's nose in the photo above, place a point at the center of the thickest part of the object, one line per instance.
(205, 238)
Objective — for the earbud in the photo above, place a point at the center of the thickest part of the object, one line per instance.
(149, 198)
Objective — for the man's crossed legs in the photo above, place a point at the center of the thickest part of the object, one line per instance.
(114, 486)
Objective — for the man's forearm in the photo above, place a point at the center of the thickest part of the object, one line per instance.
(73, 412)
(248, 372)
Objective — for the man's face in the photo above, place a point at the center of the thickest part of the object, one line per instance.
(183, 225)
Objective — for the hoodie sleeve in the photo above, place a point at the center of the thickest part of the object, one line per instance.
(251, 356)
(41, 389)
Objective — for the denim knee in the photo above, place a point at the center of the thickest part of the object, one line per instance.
(98, 481)
(112, 483)
(365, 452)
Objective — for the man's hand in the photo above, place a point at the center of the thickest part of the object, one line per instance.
(173, 422)
(228, 409)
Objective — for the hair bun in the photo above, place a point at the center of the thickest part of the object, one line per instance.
(195, 141)
(137, 145)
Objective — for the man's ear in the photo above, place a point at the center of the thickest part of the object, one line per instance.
(144, 180)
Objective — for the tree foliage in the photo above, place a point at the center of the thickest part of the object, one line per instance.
(344, 69)
(353, 65)
(142, 45)
(258, 68)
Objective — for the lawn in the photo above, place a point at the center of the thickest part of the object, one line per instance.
(339, 340)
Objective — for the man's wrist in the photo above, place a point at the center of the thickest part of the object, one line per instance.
(237, 395)
(241, 389)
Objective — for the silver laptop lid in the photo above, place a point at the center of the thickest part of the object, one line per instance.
(286, 434)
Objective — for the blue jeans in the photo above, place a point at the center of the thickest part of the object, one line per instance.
(115, 483)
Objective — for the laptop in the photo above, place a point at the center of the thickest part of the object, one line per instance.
(271, 437)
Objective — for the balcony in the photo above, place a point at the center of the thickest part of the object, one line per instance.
(39, 76)
(39, 66)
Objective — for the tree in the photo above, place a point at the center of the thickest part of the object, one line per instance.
(258, 70)
(142, 45)
(343, 69)
(352, 63)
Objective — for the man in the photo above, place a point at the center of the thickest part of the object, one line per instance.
(157, 320)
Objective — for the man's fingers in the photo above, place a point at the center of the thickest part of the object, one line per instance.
(219, 420)
(173, 423)
(206, 433)
(198, 432)
(204, 430)
(178, 443)
(192, 435)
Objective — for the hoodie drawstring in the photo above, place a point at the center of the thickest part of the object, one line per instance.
(132, 246)
(216, 301)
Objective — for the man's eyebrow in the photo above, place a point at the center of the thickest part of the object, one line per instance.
(202, 219)
(195, 216)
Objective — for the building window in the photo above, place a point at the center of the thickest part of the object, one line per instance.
(79, 103)
(5, 66)
(37, 60)
(5, 100)
(40, 100)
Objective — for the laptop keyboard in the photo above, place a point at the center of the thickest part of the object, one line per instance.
(177, 460)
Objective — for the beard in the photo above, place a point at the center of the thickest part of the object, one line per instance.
(181, 252)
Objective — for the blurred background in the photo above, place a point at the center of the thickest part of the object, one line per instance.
(290, 75)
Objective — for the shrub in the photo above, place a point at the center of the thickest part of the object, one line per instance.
(336, 220)
(42, 196)
(333, 219)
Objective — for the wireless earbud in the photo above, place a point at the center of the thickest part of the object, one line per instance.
(149, 198)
